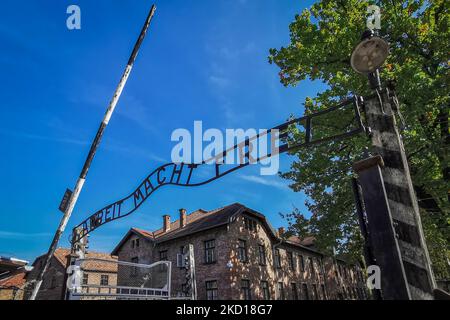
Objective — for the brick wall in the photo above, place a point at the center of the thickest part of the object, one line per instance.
(319, 281)
(52, 285)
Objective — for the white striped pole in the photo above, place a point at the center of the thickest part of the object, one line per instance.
(90, 157)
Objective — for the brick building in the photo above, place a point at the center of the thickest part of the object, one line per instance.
(12, 278)
(238, 255)
(54, 283)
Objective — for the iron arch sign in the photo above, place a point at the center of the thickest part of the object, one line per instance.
(311, 128)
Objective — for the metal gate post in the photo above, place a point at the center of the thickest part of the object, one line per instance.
(77, 252)
(401, 200)
(380, 230)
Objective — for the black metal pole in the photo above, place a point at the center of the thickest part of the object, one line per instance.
(81, 179)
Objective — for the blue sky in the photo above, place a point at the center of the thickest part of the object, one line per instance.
(202, 60)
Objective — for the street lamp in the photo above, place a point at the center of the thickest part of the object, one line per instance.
(369, 55)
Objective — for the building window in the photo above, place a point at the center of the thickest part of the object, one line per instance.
(277, 258)
(134, 270)
(250, 224)
(324, 294)
(135, 243)
(210, 251)
(322, 269)
(294, 291)
(262, 254)
(245, 286)
(242, 250)
(302, 263)
(163, 255)
(265, 290)
(311, 265)
(280, 291)
(85, 278)
(211, 290)
(316, 294)
(305, 291)
(104, 280)
(290, 258)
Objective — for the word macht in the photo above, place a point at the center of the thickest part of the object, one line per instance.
(236, 146)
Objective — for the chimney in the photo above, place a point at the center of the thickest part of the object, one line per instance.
(280, 231)
(166, 222)
(183, 218)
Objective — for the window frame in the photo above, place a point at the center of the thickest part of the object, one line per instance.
(290, 258)
(246, 289)
(163, 255)
(324, 292)
(277, 258)
(280, 291)
(315, 292)
(302, 263)
(210, 251)
(262, 257)
(250, 224)
(242, 251)
(265, 290)
(214, 291)
(294, 291)
(305, 291)
(102, 277)
(311, 265)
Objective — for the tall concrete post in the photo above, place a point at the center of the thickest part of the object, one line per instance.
(401, 201)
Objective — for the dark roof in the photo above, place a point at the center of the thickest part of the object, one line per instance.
(206, 221)
(14, 279)
(306, 241)
(201, 220)
(197, 221)
(61, 255)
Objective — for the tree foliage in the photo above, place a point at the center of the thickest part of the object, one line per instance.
(321, 41)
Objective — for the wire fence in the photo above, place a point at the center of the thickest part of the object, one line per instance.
(119, 280)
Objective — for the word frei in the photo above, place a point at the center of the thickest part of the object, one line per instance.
(236, 146)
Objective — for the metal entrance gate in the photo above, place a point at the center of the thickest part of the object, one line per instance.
(99, 279)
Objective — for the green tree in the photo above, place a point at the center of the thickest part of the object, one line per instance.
(321, 41)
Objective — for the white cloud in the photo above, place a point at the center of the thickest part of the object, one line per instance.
(219, 81)
(33, 136)
(264, 181)
(21, 235)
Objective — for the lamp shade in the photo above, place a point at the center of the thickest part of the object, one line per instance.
(369, 55)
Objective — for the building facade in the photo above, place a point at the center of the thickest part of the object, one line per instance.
(95, 274)
(239, 256)
(12, 278)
